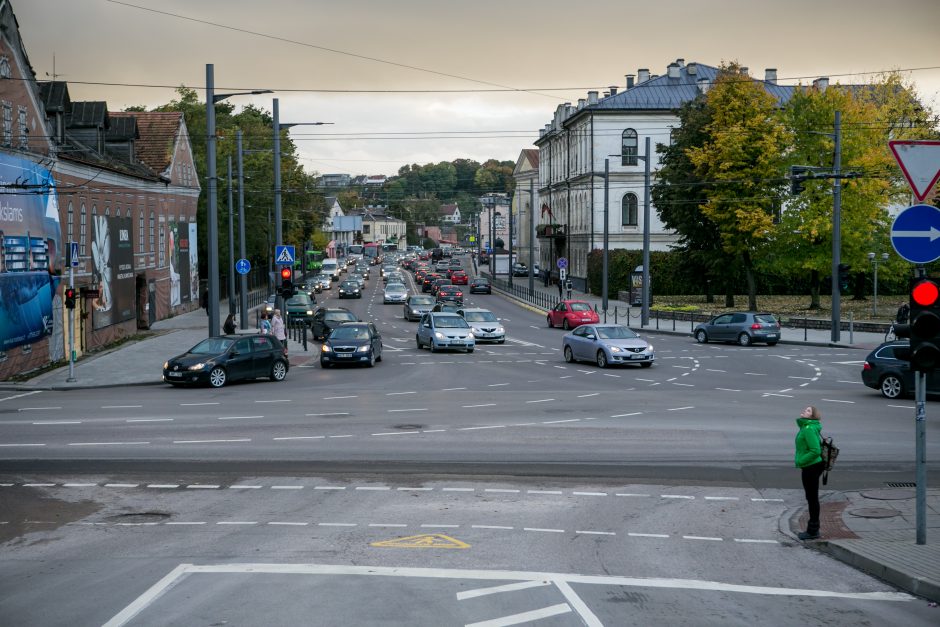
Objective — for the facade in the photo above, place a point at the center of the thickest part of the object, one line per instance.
(494, 220)
(380, 228)
(450, 214)
(573, 148)
(343, 230)
(524, 198)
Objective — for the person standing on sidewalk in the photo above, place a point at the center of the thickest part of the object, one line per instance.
(264, 324)
(228, 327)
(809, 460)
(277, 327)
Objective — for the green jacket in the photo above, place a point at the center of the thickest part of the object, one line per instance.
(808, 449)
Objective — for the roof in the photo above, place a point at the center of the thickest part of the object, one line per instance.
(448, 210)
(55, 97)
(122, 129)
(87, 114)
(157, 131)
(532, 155)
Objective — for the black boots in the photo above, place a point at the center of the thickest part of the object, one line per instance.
(811, 533)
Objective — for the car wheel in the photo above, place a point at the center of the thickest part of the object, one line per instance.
(744, 339)
(569, 356)
(601, 359)
(551, 325)
(565, 325)
(278, 371)
(502, 341)
(217, 377)
(418, 342)
(432, 346)
(701, 337)
(371, 362)
(892, 386)
(325, 364)
(469, 350)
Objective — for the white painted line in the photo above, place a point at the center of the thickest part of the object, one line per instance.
(387, 525)
(525, 617)
(329, 487)
(210, 441)
(524, 424)
(397, 432)
(750, 541)
(543, 530)
(451, 389)
(597, 533)
(727, 390)
(458, 489)
(202, 486)
(502, 490)
(399, 393)
(302, 437)
(676, 496)
(149, 420)
(477, 428)
(287, 487)
(496, 385)
(289, 524)
(636, 413)
(336, 524)
(245, 487)
(79, 485)
(281, 400)
(163, 486)
(237, 522)
(616, 376)
(721, 498)
(589, 494)
(756, 374)
(433, 430)
(121, 406)
(121, 485)
(376, 488)
(414, 489)
(32, 408)
(339, 436)
(492, 527)
(59, 422)
(772, 394)
(197, 404)
(541, 400)
(10, 398)
(183, 523)
(239, 417)
(832, 400)
(483, 405)
(902, 406)
(544, 492)
(38, 485)
(685, 385)
(630, 494)
(680, 408)
(852, 382)
(756, 500)
(338, 413)
(587, 395)
(106, 443)
(334, 398)
(702, 538)
(648, 535)
(440, 526)
(802, 378)
(392, 411)
(511, 587)
(555, 422)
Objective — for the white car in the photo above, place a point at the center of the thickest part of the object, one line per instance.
(486, 326)
(395, 293)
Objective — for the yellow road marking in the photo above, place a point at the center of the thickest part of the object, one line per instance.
(423, 541)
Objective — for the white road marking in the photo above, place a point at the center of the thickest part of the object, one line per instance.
(283, 400)
(714, 370)
(59, 422)
(480, 405)
(339, 413)
(676, 496)
(543, 530)
(334, 398)
(289, 524)
(106, 443)
(10, 398)
(502, 490)
(149, 420)
(636, 413)
(32, 408)
(727, 390)
(121, 485)
(648, 535)
(589, 493)
(121, 406)
(494, 385)
(512, 587)
(541, 400)
(587, 395)
(452, 389)
(184, 523)
(79, 485)
(382, 488)
(702, 538)
(202, 486)
(399, 393)
(902, 406)
(239, 417)
(832, 400)
(392, 411)
(630, 494)
(237, 522)
(680, 408)
(245, 487)
(287, 487)
(329, 487)
(555, 422)
(211, 441)
(164, 486)
(491, 527)
(397, 433)
(301, 437)
(487, 427)
(597, 533)
(721, 498)
(525, 617)
(750, 541)
(757, 500)
(197, 404)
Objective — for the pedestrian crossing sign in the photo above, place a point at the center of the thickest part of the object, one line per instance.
(284, 255)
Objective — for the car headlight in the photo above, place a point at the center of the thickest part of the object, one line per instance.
(415, 311)
(500, 330)
(615, 349)
(326, 348)
(439, 335)
(363, 349)
(470, 335)
(649, 348)
(198, 366)
(166, 365)
(309, 312)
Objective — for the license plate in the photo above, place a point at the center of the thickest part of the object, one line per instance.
(772, 335)
(637, 356)
(175, 374)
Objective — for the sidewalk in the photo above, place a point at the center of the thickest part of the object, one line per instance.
(871, 530)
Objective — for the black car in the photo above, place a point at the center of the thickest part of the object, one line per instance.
(890, 373)
(450, 293)
(445, 307)
(325, 319)
(480, 285)
(299, 308)
(520, 269)
(350, 289)
(218, 360)
(352, 343)
(418, 305)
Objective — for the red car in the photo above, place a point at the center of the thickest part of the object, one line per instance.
(572, 313)
(459, 278)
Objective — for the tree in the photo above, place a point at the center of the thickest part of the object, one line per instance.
(742, 159)
(494, 177)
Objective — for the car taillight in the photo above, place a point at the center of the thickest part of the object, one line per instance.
(459, 294)
(755, 326)
(866, 366)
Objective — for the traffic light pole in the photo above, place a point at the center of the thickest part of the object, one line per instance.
(71, 378)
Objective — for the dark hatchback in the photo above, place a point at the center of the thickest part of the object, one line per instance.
(325, 319)
(884, 370)
(219, 360)
(450, 294)
(743, 327)
(357, 343)
(350, 289)
(480, 285)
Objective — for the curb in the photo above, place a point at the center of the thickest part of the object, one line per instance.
(866, 563)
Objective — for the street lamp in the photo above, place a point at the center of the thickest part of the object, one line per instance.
(875, 261)
(212, 209)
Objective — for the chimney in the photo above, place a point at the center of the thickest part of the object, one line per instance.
(642, 75)
(613, 90)
(629, 81)
(770, 75)
(703, 85)
(821, 83)
(673, 69)
(581, 103)
(606, 94)
(692, 68)
(592, 97)
(680, 62)
(744, 70)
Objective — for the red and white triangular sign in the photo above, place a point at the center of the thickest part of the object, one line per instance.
(920, 163)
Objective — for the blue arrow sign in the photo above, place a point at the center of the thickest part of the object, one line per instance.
(243, 266)
(915, 234)
(284, 255)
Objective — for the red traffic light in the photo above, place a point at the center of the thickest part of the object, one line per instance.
(287, 274)
(925, 293)
(70, 292)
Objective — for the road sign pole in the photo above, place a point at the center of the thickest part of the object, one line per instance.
(837, 230)
(920, 422)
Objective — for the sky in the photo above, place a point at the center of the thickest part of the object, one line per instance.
(422, 81)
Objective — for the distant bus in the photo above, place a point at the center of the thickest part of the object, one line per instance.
(370, 252)
(389, 248)
(314, 261)
(354, 250)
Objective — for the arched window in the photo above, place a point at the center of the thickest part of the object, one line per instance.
(628, 148)
(628, 206)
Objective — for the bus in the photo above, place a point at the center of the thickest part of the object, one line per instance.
(389, 248)
(314, 261)
(354, 251)
(371, 253)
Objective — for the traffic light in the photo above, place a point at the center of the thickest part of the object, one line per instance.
(844, 270)
(70, 298)
(797, 178)
(287, 283)
(925, 324)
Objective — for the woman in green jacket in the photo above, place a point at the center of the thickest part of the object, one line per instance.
(809, 460)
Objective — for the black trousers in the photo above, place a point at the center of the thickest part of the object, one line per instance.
(811, 475)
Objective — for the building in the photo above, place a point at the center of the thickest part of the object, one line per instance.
(574, 146)
(334, 181)
(380, 228)
(493, 221)
(524, 198)
(450, 214)
(342, 230)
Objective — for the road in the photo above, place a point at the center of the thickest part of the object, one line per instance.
(533, 491)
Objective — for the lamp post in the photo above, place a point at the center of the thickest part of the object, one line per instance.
(231, 243)
(212, 209)
(645, 308)
(875, 261)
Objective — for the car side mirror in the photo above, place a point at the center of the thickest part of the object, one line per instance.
(427, 326)
(590, 337)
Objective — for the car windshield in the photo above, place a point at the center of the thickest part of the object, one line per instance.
(480, 281)
(615, 333)
(580, 307)
(422, 300)
(395, 287)
(300, 300)
(451, 322)
(212, 346)
(350, 333)
(448, 289)
(340, 316)
(479, 316)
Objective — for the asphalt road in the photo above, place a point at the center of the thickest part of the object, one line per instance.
(541, 492)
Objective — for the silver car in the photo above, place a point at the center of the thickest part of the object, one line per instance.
(486, 326)
(440, 331)
(395, 293)
(606, 345)
(745, 328)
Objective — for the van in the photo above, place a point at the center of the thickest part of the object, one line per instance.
(331, 267)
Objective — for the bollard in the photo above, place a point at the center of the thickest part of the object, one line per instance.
(615, 315)
(673, 320)
(851, 327)
(805, 325)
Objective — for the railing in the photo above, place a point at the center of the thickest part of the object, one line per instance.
(297, 331)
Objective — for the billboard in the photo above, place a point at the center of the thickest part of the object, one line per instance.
(113, 270)
(193, 264)
(30, 251)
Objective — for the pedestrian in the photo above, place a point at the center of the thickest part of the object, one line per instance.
(809, 460)
(277, 327)
(229, 325)
(264, 324)
(561, 289)
(204, 301)
(904, 312)
(546, 276)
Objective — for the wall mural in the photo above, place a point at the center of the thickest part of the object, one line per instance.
(30, 251)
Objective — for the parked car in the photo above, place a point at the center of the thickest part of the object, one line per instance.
(299, 308)
(395, 293)
(480, 285)
(352, 343)
(890, 373)
(520, 269)
(350, 289)
(745, 328)
(450, 293)
(607, 345)
(219, 360)
(569, 314)
(418, 305)
(485, 325)
(440, 331)
(325, 319)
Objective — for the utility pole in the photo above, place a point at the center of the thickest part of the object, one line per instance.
(606, 236)
(510, 241)
(837, 230)
(645, 311)
(231, 243)
(212, 209)
(531, 236)
(243, 279)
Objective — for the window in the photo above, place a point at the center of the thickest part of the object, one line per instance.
(83, 230)
(162, 246)
(5, 71)
(24, 130)
(628, 148)
(140, 231)
(7, 123)
(152, 234)
(628, 210)
(70, 223)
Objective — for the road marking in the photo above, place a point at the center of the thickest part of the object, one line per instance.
(630, 494)
(10, 398)
(387, 525)
(121, 485)
(414, 489)
(512, 587)
(106, 443)
(38, 485)
(121, 406)
(423, 541)
(750, 541)
(431, 526)
(541, 400)
(397, 433)
(334, 398)
(289, 524)
(202, 486)
(902, 406)
(32, 408)
(451, 389)
(597, 533)
(197, 404)
(336, 524)
(648, 535)
(555, 422)
(756, 374)
(543, 530)
(287, 487)
(79, 485)
(587, 395)
(679, 408)
(339, 413)
(757, 500)
(492, 527)
(502, 490)
(59, 422)
(237, 522)
(329, 487)
(589, 493)
(301, 437)
(478, 428)
(702, 538)
(244, 487)
(727, 390)
(149, 420)
(676, 496)
(239, 417)
(163, 486)
(765, 394)
(481, 405)
(494, 385)
(383, 488)
(526, 617)
(636, 413)
(399, 393)
(802, 378)
(210, 441)
(832, 400)
(283, 400)
(721, 498)
(543, 492)
(183, 523)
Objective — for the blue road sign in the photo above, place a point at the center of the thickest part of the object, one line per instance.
(284, 255)
(915, 234)
(73, 254)
(562, 263)
(243, 266)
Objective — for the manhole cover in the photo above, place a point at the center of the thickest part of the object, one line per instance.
(874, 512)
(888, 495)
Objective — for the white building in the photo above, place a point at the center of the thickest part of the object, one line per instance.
(450, 214)
(524, 199)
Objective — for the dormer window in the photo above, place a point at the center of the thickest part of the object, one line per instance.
(5, 71)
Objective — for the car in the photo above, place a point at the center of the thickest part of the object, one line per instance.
(450, 293)
(352, 343)
(520, 269)
(325, 319)
(446, 307)
(358, 278)
(299, 307)
(439, 331)
(428, 282)
(485, 325)
(268, 304)
(363, 269)
(887, 370)
(743, 327)
(325, 281)
(459, 277)
(394, 277)
(569, 314)
(395, 293)
(480, 285)
(222, 359)
(350, 289)
(312, 288)
(418, 305)
(436, 285)
(607, 345)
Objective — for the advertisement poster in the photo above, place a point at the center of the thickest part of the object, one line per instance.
(179, 256)
(113, 256)
(193, 265)
(30, 251)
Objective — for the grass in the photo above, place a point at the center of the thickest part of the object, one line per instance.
(795, 306)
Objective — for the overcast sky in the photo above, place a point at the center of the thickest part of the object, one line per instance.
(563, 48)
